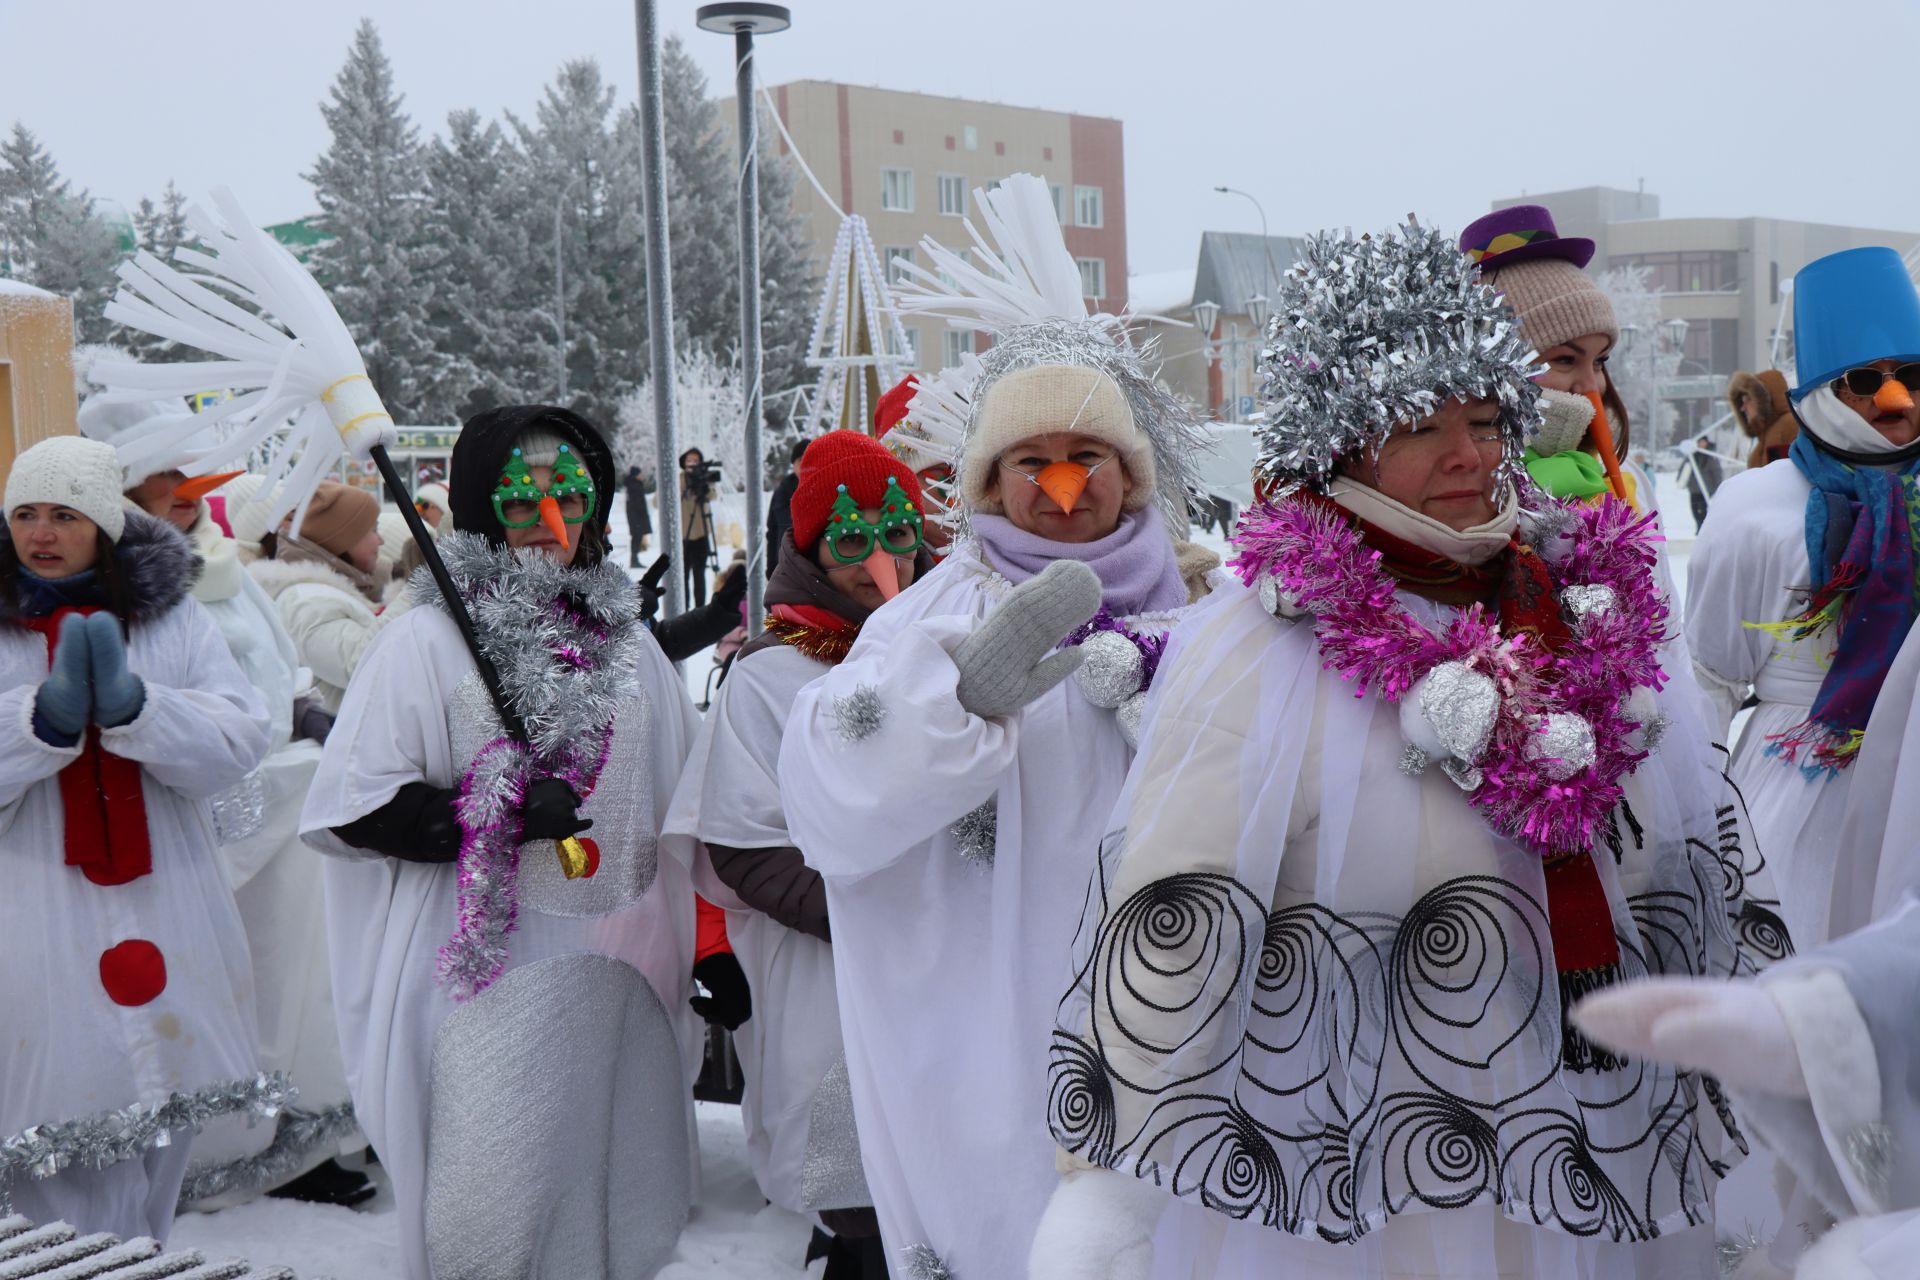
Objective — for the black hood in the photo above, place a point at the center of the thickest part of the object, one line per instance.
(480, 455)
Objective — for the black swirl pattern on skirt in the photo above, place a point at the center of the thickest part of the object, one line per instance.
(1438, 1151)
(1762, 933)
(1554, 1170)
(1174, 961)
(1080, 1109)
(1231, 1164)
(1307, 1011)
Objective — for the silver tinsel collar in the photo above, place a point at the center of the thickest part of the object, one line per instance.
(564, 640)
(1173, 428)
(1370, 333)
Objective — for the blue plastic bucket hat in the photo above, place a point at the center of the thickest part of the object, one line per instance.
(1849, 309)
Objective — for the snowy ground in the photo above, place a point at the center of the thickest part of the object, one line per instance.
(733, 1232)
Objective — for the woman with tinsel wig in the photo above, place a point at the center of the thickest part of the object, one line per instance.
(857, 540)
(128, 1000)
(950, 783)
(1388, 821)
(509, 953)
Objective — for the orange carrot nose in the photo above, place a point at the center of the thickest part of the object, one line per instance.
(550, 517)
(1892, 397)
(885, 575)
(198, 487)
(1064, 482)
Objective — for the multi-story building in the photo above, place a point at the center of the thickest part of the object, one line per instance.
(908, 163)
(1728, 278)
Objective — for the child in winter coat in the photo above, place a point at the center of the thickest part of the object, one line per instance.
(128, 1001)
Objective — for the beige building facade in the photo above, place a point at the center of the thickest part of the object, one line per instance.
(36, 369)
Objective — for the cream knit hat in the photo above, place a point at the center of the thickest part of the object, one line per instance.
(1555, 301)
(1044, 400)
(72, 472)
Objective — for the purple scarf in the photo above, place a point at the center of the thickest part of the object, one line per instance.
(1135, 563)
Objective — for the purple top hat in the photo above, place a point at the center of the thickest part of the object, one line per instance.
(1520, 233)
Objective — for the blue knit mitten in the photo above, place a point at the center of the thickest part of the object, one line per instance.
(118, 694)
(65, 697)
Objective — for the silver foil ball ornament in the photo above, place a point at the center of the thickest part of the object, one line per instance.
(1130, 714)
(1112, 670)
(1552, 531)
(1562, 745)
(1450, 712)
(1588, 600)
(1277, 600)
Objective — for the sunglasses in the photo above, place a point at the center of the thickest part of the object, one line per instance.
(1866, 382)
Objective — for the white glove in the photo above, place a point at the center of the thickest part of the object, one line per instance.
(1098, 1226)
(1731, 1030)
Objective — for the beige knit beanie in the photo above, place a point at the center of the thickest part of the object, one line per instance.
(1555, 301)
(70, 471)
(1045, 400)
(339, 516)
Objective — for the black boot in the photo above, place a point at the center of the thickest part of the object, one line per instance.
(328, 1184)
(856, 1259)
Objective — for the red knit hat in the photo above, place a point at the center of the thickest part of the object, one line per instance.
(843, 458)
(893, 406)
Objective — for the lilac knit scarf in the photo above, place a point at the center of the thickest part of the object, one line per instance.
(1135, 563)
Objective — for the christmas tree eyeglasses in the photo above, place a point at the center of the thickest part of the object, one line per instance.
(851, 537)
(520, 504)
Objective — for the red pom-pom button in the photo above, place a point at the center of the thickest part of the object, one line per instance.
(133, 972)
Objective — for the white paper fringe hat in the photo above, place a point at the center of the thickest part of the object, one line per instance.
(1372, 332)
(1024, 290)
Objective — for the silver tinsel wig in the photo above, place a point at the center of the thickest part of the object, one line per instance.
(1373, 332)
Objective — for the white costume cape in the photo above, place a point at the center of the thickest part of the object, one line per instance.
(948, 969)
(417, 712)
(730, 795)
(1315, 996)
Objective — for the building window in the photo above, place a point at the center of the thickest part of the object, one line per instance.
(891, 257)
(966, 256)
(1059, 194)
(896, 190)
(1093, 276)
(955, 345)
(1088, 207)
(953, 194)
(912, 351)
(1712, 346)
(1689, 271)
(971, 137)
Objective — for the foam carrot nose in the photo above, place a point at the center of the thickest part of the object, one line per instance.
(1892, 397)
(198, 487)
(880, 568)
(1602, 432)
(1064, 482)
(550, 517)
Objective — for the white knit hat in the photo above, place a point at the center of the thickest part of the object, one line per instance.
(1048, 399)
(72, 472)
(435, 492)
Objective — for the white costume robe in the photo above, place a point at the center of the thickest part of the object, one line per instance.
(949, 969)
(800, 1138)
(1750, 566)
(1316, 998)
(72, 1052)
(416, 711)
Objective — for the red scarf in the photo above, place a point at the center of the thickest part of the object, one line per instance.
(1518, 584)
(100, 797)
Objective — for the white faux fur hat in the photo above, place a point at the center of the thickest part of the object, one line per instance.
(119, 424)
(72, 472)
(1046, 399)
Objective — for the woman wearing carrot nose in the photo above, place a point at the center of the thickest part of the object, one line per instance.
(951, 785)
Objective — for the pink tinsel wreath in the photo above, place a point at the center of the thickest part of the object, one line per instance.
(1318, 561)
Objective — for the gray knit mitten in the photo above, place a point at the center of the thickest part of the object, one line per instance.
(1009, 661)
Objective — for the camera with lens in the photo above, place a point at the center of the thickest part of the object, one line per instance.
(702, 479)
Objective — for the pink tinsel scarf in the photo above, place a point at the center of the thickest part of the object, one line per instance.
(1318, 561)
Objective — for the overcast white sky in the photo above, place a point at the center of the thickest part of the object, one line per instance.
(1352, 112)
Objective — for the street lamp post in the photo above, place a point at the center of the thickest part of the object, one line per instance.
(746, 19)
(1266, 244)
(1631, 335)
(653, 199)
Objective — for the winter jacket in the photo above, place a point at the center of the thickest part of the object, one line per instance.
(1769, 388)
(696, 521)
(324, 610)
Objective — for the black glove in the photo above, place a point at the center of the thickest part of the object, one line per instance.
(731, 591)
(551, 812)
(310, 720)
(730, 1002)
(417, 825)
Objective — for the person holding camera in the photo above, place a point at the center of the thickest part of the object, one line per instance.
(696, 521)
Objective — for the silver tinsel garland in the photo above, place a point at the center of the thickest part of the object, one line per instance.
(1178, 438)
(924, 1264)
(977, 833)
(859, 715)
(58, 1252)
(1371, 333)
(94, 1142)
(298, 1134)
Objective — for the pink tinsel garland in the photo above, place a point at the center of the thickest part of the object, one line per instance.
(1319, 561)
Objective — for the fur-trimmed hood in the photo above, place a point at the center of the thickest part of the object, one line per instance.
(1768, 387)
(159, 564)
(275, 576)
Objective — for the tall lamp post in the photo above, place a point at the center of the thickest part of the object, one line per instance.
(1266, 243)
(653, 199)
(745, 19)
(1207, 314)
(1674, 331)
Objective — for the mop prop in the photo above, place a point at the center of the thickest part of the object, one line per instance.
(300, 390)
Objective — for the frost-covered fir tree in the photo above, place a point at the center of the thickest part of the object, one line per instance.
(487, 287)
(588, 199)
(1636, 304)
(160, 229)
(370, 185)
(50, 236)
(708, 403)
